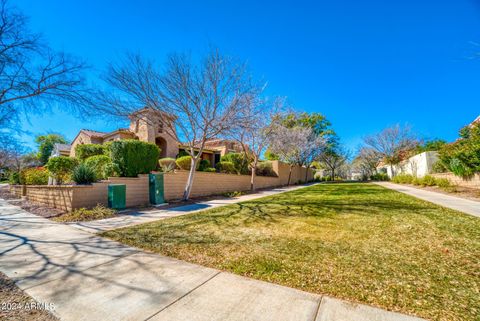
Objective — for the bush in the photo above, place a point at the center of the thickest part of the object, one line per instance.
(417, 181)
(403, 179)
(82, 152)
(226, 167)
(184, 162)
(102, 166)
(167, 164)
(210, 170)
(83, 174)
(428, 180)
(35, 176)
(204, 163)
(439, 167)
(82, 214)
(61, 167)
(265, 169)
(380, 177)
(134, 157)
(443, 183)
(15, 178)
(239, 160)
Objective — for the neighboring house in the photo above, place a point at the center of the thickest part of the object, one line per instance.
(418, 165)
(61, 150)
(149, 125)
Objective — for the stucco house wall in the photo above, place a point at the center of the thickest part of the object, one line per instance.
(418, 165)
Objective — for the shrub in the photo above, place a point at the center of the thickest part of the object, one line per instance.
(167, 164)
(239, 160)
(83, 174)
(134, 157)
(403, 179)
(428, 180)
(82, 152)
(61, 167)
(265, 169)
(182, 153)
(184, 162)
(417, 181)
(234, 194)
(14, 178)
(439, 167)
(82, 214)
(102, 166)
(210, 170)
(226, 167)
(380, 177)
(443, 182)
(36, 176)
(204, 163)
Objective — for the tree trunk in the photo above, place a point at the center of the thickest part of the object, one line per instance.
(391, 170)
(306, 174)
(333, 175)
(252, 177)
(289, 175)
(191, 174)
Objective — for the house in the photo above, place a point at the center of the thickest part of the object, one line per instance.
(151, 126)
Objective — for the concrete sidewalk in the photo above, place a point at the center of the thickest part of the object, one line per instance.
(140, 217)
(452, 202)
(87, 277)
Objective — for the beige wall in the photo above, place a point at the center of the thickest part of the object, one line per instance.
(205, 184)
(473, 182)
(70, 197)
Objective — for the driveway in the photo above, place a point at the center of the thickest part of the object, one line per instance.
(87, 277)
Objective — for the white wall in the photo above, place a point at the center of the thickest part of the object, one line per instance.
(418, 165)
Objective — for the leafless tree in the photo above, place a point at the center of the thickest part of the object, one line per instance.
(257, 127)
(333, 159)
(31, 74)
(296, 146)
(393, 144)
(367, 161)
(201, 101)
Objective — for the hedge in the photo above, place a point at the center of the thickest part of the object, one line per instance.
(61, 167)
(35, 176)
(134, 157)
(102, 166)
(265, 169)
(239, 161)
(184, 162)
(226, 167)
(82, 152)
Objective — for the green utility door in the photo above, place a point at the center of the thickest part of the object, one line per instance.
(156, 189)
(117, 194)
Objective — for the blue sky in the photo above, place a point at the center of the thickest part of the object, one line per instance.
(364, 64)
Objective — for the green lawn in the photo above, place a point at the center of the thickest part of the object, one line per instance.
(359, 242)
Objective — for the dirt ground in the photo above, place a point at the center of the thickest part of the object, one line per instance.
(15, 305)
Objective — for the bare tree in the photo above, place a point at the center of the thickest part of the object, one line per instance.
(257, 128)
(200, 101)
(333, 159)
(31, 74)
(393, 144)
(295, 146)
(367, 161)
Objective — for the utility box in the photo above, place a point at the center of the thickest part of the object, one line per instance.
(117, 194)
(157, 195)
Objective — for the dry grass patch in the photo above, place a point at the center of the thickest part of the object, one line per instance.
(359, 242)
(82, 214)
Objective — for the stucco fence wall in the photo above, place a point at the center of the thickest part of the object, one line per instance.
(205, 184)
(473, 182)
(69, 197)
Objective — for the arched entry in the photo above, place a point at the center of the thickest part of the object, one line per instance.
(162, 144)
